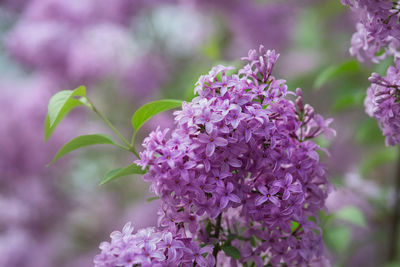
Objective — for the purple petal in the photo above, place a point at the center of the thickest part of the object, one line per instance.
(263, 190)
(279, 183)
(247, 136)
(295, 188)
(209, 127)
(274, 190)
(207, 165)
(224, 202)
(158, 255)
(216, 117)
(234, 162)
(234, 198)
(229, 187)
(206, 249)
(260, 200)
(210, 260)
(210, 149)
(219, 141)
(203, 138)
(201, 261)
(288, 178)
(235, 123)
(286, 194)
(275, 200)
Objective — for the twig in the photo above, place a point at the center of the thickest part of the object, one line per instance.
(394, 233)
(217, 247)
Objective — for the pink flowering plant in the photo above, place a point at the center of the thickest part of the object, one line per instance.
(239, 176)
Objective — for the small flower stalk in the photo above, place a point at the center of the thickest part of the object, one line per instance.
(239, 177)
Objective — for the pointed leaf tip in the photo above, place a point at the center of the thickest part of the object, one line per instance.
(120, 172)
(82, 141)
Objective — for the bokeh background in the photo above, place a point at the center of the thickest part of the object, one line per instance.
(128, 52)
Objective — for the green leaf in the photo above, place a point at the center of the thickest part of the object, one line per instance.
(347, 67)
(71, 104)
(231, 251)
(348, 101)
(380, 157)
(351, 214)
(151, 199)
(253, 241)
(151, 109)
(82, 141)
(125, 171)
(337, 238)
(368, 132)
(294, 226)
(59, 105)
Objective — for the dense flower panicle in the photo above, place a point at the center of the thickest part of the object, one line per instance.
(151, 247)
(378, 31)
(382, 103)
(241, 146)
(378, 35)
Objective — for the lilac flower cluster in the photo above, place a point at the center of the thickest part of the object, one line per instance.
(377, 36)
(378, 30)
(150, 247)
(383, 103)
(242, 148)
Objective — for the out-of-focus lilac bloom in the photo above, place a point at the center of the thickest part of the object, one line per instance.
(378, 30)
(26, 185)
(243, 20)
(41, 45)
(103, 50)
(144, 76)
(247, 16)
(383, 103)
(80, 13)
(178, 27)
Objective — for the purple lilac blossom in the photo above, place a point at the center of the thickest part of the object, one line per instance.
(383, 103)
(237, 166)
(378, 29)
(151, 247)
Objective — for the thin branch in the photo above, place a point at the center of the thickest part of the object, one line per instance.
(107, 122)
(394, 233)
(217, 247)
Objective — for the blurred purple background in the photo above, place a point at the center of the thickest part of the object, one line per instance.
(128, 52)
